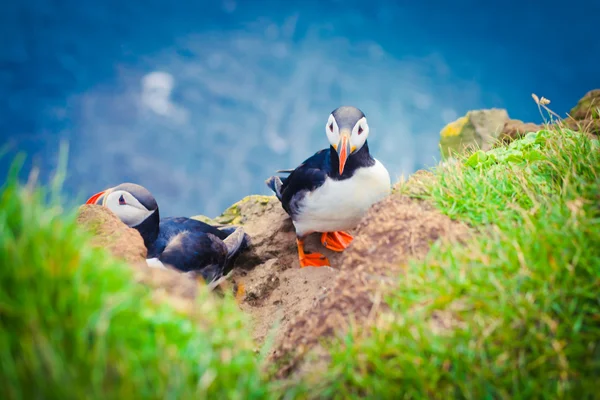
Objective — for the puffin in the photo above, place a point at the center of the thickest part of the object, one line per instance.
(331, 191)
(189, 245)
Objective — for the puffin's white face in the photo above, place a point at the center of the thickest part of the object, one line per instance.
(358, 134)
(126, 207)
(347, 136)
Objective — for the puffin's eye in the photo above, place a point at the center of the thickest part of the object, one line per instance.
(331, 127)
(122, 201)
(360, 130)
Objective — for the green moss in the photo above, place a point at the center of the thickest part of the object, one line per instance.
(512, 314)
(74, 324)
(237, 213)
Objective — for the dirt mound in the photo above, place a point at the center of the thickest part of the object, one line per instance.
(109, 232)
(393, 231)
(274, 298)
(276, 288)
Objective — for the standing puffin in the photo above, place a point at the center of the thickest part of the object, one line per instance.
(331, 191)
(186, 244)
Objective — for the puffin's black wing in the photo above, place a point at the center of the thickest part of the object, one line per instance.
(191, 245)
(306, 177)
(196, 251)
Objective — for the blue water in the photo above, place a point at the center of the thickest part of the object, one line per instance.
(202, 101)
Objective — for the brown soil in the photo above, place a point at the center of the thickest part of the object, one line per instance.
(276, 288)
(275, 298)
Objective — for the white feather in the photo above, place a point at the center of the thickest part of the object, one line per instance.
(155, 263)
(339, 205)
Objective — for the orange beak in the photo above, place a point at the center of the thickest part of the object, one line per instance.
(94, 198)
(343, 150)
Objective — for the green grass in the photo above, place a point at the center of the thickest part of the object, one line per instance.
(74, 324)
(515, 313)
(520, 302)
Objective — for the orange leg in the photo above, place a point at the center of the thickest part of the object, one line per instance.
(310, 259)
(336, 241)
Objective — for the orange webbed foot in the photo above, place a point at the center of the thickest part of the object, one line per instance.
(336, 241)
(311, 259)
(314, 260)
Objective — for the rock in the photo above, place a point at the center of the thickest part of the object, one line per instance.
(484, 129)
(588, 107)
(271, 231)
(276, 288)
(478, 129)
(514, 129)
(589, 126)
(112, 234)
(584, 117)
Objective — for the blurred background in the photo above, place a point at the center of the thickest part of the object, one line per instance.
(202, 101)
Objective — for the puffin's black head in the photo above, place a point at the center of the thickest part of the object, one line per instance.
(347, 131)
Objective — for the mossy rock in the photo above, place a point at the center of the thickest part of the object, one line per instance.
(240, 212)
(588, 107)
(478, 129)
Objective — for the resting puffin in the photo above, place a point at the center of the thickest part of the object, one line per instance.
(186, 244)
(331, 191)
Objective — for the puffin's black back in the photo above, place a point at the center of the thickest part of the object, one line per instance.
(192, 245)
(187, 251)
(171, 226)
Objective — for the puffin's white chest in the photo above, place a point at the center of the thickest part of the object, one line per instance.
(339, 205)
